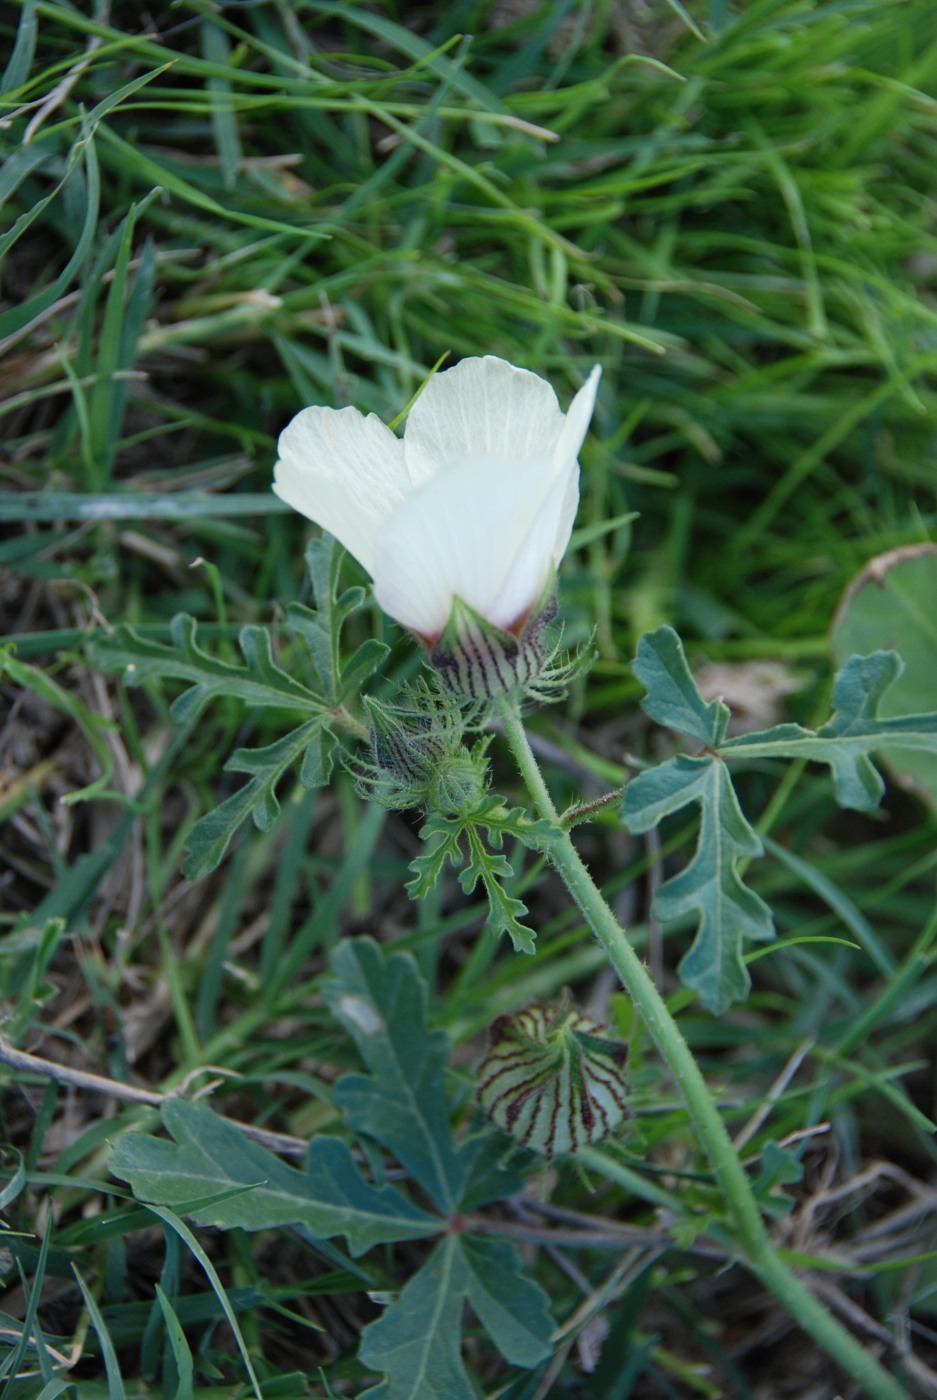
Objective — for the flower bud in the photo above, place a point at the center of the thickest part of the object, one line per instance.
(553, 1080)
(419, 758)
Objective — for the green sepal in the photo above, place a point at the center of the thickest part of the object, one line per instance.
(478, 662)
(419, 757)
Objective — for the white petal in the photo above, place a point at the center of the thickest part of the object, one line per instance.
(566, 454)
(482, 407)
(537, 555)
(480, 529)
(344, 471)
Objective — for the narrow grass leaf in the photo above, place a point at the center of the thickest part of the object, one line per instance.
(16, 1182)
(144, 168)
(22, 316)
(185, 1367)
(21, 59)
(840, 903)
(92, 726)
(136, 505)
(17, 167)
(170, 1219)
(115, 1384)
(114, 353)
(687, 19)
(28, 1328)
(216, 47)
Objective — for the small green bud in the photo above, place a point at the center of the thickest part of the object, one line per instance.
(419, 758)
(404, 742)
(553, 1080)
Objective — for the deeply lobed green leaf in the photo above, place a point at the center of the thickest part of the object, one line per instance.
(215, 1175)
(401, 1101)
(416, 1342)
(711, 890)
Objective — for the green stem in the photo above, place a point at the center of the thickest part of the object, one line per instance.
(753, 1239)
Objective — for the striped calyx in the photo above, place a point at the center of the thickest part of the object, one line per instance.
(553, 1080)
(477, 661)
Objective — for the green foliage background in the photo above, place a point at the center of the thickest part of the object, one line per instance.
(215, 214)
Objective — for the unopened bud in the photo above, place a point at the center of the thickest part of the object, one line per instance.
(420, 760)
(553, 1080)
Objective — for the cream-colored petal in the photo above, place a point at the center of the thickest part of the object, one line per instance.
(567, 515)
(344, 471)
(566, 454)
(481, 529)
(536, 558)
(482, 407)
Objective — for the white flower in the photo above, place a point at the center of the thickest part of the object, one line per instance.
(476, 501)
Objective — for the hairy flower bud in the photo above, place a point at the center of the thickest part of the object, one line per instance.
(553, 1080)
(419, 758)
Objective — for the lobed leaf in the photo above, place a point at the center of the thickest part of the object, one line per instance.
(710, 889)
(216, 1176)
(210, 836)
(779, 1167)
(673, 699)
(320, 627)
(888, 605)
(494, 1169)
(855, 731)
(260, 683)
(504, 910)
(416, 1343)
(441, 842)
(400, 1102)
(514, 1311)
(263, 684)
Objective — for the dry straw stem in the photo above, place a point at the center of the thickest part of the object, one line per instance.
(25, 1063)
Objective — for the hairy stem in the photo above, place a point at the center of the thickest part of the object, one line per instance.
(752, 1236)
